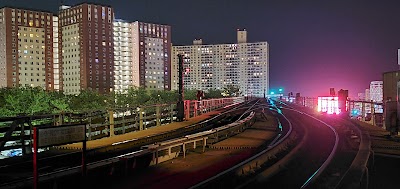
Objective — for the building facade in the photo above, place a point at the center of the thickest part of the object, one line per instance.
(86, 48)
(245, 65)
(142, 52)
(123, 53)
(151, 56)
(390, 80)
(376, 91)
(26, 56)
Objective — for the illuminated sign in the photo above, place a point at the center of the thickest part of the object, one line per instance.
(328, 104)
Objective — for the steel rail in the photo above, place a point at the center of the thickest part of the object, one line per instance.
(324, 165)
(203, 183)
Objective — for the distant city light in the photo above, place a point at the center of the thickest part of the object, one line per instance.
(272, 92)
(328, 104)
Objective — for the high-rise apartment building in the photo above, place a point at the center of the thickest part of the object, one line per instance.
(86, 48)
(123, 52)
(26, 53)
(243, 64)
(142, 52)
(56, 63)
(151, 56)
(376, 91)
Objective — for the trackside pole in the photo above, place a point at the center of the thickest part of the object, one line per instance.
(180, 106)
(35, 168)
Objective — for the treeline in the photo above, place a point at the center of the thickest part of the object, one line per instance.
(34, 101)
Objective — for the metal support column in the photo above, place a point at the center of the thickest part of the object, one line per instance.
(180, 105)
(184, 150)
(204, 144)
(363, 111)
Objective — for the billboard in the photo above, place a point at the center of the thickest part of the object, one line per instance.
(328, 104)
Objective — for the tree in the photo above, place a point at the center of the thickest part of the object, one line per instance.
(24, 101)
(213, 93)
(231, 91)
(163, 97)
(88, 100)
(59, 102)
(121, 100)
(136, 96)
(190, 94)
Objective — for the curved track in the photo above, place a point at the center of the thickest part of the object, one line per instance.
(322, 154)
(319, 144)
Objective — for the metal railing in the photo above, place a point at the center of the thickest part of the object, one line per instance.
(16, 135)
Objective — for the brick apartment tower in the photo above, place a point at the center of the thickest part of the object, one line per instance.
(86, 48)
(151, 56)
(26, 53)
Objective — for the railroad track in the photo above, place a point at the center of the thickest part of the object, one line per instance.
(305, 156)
(103, 156)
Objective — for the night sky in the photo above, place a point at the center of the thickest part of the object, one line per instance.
(314, 44)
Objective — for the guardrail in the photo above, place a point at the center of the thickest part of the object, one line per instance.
(16, 135)
(170, 149)
(357, 175)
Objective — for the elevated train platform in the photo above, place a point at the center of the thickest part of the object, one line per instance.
(109, 141)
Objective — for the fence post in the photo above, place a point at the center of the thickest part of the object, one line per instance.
(187, 109)
(111, 118)
(195, 108)
(123, 122)
(172, 112)
(140, 119)
(90, 126)
(158, 116)
(22, 139)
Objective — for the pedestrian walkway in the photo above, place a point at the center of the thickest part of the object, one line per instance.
(108, 141)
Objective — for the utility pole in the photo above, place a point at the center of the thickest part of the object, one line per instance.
(180, 105)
